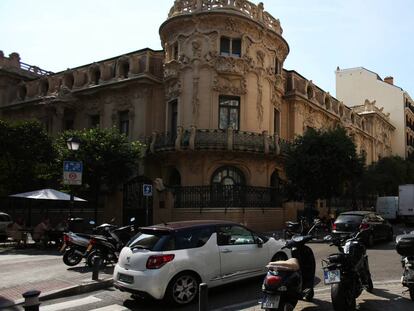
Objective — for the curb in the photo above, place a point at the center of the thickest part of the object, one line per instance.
(86, 287)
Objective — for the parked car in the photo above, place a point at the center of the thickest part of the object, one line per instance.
(378, 227)
(170, 260)
(5, 220)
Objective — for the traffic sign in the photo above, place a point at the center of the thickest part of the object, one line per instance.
(147, 190)
(72, 173)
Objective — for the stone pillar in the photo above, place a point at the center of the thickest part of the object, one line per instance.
(193, 131)
(230, 138)
(277, 145)
(178, 138)
(265, 142)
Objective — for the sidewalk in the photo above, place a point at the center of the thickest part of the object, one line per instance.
(30, 268)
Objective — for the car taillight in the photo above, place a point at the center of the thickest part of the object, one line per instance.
(334, 226)
(156, 262)
(272, 280)
(363, 226)
(66, 239)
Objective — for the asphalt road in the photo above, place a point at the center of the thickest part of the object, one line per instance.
(383, 259)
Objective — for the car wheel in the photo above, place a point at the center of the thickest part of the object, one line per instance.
(279, 257)
(183, 289)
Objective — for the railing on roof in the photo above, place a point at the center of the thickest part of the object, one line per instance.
(34, 69)
(255, 12)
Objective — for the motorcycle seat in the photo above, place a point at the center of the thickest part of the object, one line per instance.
(291, 264)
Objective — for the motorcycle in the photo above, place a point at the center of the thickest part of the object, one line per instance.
(106, 248)
(347, 271)
(405, 247)
(288, 281)
(75, 245)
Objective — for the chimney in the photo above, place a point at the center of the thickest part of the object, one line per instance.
(389, 80)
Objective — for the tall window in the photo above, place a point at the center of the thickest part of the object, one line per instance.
(276, 122)
(173, 115)
(229, 114)
(228, 175)
(124, 122)
(94, 120)
(230, 47)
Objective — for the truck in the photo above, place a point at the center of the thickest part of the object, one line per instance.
(387, 207)
(406, 203)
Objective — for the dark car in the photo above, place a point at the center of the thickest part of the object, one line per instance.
(377, 227)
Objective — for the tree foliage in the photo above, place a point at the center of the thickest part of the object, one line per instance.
(384, 176)
(108, 158)
(25, 158)
(322, 164)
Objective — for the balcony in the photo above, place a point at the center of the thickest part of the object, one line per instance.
(221, 196)
(216, 139)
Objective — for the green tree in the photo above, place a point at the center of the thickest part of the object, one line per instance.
(323, 164)
(108, 158)
(384, 176)
(25, 158)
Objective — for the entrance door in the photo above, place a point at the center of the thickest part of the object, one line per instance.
(135, 204)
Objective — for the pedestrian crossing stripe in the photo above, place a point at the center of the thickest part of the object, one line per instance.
(111, 308)
(70, 304)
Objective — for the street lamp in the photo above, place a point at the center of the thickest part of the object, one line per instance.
(73, 144)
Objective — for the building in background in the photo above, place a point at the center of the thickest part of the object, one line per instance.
(215, 108)
(355, 86)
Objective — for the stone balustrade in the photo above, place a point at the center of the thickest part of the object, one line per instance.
(216, 139)
(118, 69)
(244, 7)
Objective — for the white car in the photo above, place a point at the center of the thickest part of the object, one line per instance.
(5, 220)
(169, 261)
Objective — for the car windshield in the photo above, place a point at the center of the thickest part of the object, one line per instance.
(349, 218)
(149, 239)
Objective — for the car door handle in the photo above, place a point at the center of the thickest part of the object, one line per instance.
(226, 251)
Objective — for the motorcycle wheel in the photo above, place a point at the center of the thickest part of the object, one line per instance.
(71, 258)
(309, 295)
(94, 255)
(342, 297)
(411, 289)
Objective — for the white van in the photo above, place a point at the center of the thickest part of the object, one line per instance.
(387, 207)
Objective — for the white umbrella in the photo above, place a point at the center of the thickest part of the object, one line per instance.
(46, 194)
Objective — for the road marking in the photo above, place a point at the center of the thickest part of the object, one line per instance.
(70, 304)
(111, 308)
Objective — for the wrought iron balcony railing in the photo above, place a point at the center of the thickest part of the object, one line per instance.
(221, 196)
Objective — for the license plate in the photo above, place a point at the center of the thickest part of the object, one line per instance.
(270, 302)
(63, 247)
(331, 276)
(89, 248)
(125, 278)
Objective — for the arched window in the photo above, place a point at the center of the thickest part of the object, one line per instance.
(22, 92)
(68, 80)
(309, 92)
(44, 87)
(124, 69)
(275, 179)
(228, 175)
(175, 178)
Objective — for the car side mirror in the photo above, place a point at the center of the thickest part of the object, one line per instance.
(259, 242)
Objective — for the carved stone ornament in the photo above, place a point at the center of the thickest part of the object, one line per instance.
(172, 89)
(196, 101)
(228, 84)
(171, 70)
(231, 25)
(259, 106)
(196, 46)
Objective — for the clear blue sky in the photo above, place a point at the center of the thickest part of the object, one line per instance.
(322, 34)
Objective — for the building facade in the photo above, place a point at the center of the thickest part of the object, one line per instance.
(354, 86)
(215, 108)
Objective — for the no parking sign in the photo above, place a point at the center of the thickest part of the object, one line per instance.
(72, 173)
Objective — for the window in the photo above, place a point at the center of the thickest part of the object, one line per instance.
(234, 235)
(229, 113)
(94, 121)
(278, 66)
(69, 124)
(124, 122)
(173, 114)
(175, 178)
(192, 238)
(230, 47)
(276, 122)
(227, 176)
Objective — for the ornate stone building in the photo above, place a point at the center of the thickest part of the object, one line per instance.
(215, 108)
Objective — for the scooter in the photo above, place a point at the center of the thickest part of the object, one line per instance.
(405, 247)
(106, 248)
(288, 281)
(347, 271)
(75, 244)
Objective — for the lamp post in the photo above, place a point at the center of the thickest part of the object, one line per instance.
(73, 145)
